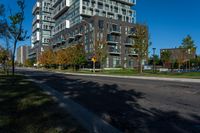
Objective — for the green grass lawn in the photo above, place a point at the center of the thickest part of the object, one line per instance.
(26, 109)
(131, 72)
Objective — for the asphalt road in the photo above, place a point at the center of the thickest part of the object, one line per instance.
(132, 105)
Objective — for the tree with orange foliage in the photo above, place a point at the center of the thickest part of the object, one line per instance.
(47, 58)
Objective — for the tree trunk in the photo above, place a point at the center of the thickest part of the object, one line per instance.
(179, 66)
(141, 67)
(13, 58)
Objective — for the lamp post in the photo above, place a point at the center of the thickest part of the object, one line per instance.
(154, 50)
(189, 52)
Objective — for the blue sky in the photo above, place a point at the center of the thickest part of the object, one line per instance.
(169, 21)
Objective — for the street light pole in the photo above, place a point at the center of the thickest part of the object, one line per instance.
(189, 52)
(154, 50)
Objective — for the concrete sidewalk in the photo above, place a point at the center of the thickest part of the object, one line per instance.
(86, 118)
(135, 77)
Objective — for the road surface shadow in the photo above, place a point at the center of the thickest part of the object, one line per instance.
(120, 107)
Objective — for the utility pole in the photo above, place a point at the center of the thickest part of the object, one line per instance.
(154, 63)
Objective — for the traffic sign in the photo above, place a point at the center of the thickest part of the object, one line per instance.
(94, 59)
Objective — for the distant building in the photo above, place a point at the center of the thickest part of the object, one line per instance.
(180, 53)
(42, 25)
(22, 54)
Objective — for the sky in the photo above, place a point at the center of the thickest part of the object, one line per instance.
(169, 21)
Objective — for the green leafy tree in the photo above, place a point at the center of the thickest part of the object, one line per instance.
(165, 57)
(29, 63)
(141, 44)
(78, 55)
(188, 43)
(101, 52)
(16, 29)
(4, 59)
(156, 58)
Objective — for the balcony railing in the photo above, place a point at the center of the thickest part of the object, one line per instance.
(35, 27)
(61, 8)
(115, 31)
(128, 44)
(36, 37)
(111, 40)
(132, 34)
(87, 13)
(36, 18)
(114, 51)
(36, 7)
(128, 2)
(65, 24)
(131, 52)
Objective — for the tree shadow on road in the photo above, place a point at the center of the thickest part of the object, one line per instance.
(120, 107)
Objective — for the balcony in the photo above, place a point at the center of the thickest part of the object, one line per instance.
(128, 2)
(111, 40)
(128, 44)
(36, 37)
(35, 27)
(115, 31)
(131, 34)
(61, 8)
(65, 24)
(71, 39)
(36, 18)
(131, 52)
(54, 4)
(114, 51)
(36, 7)
(87, 13)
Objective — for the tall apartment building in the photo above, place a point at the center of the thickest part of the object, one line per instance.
(87, 22)
(22, 54)
(42, 25)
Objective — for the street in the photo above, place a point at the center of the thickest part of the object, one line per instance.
(131, 105)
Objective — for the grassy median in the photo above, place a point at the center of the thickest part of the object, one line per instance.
(131, 72)
(26, 109)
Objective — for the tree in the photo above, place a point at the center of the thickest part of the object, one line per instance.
(141, 44)
(4, 58)
(101, 52)
(165, 57)
(156, 59)
(28, 63)
(16, 29)
(188, 43)
(195, 63)
(2, 22)
(181, 58)
(77, 55)
(47, 58)
(62, 57)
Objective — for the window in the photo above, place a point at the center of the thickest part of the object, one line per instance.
(101, 24)
(116, 61)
